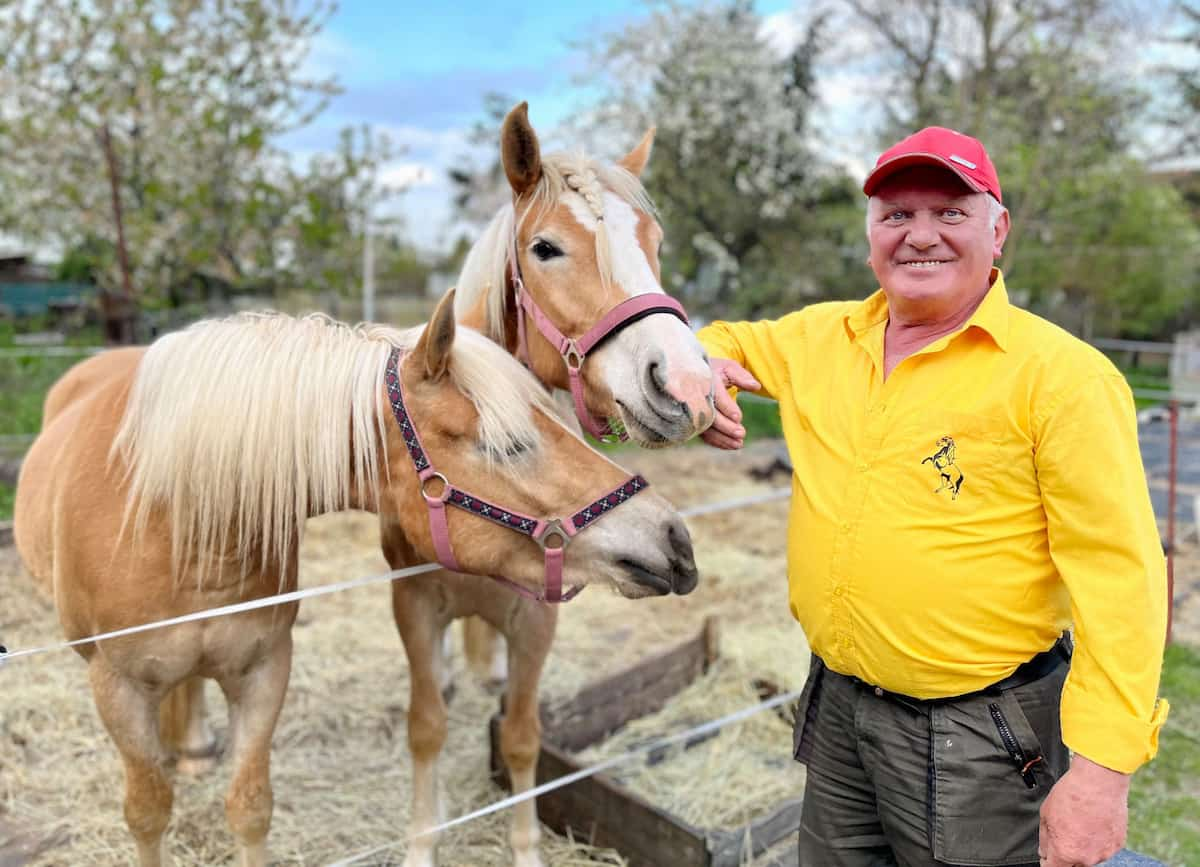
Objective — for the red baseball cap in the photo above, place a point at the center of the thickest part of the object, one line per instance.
(938, 146)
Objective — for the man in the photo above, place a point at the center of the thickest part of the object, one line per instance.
(967, 487)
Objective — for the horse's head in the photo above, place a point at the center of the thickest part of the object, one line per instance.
(485, 426)
(585, 239)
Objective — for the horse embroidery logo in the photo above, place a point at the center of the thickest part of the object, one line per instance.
(943, 462)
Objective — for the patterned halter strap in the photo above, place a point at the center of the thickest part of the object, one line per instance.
(574, 350)
(552, 534)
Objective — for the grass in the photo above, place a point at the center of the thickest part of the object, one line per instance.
(1164, 799)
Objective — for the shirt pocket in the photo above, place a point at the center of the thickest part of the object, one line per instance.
(946, 458)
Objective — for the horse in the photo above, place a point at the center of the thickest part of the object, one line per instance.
(178, 478)
(943, 461)
(566, 277)
(575, 252)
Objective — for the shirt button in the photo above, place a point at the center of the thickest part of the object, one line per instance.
(862, 468)
(846, 525)
(879, 692)
(839, 591)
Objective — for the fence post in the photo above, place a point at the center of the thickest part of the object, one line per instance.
(1172, 451)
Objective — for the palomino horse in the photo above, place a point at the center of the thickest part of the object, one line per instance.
(577, 246)
(179, 478)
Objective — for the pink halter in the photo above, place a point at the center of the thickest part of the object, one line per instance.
(541, 530)
(574, 350)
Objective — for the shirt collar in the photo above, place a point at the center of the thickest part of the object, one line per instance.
(991, 316)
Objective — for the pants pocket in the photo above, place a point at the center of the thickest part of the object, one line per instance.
(806, 711)
(990, 776)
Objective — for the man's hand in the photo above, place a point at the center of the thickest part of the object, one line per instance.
(1085, 816)
(727, 431)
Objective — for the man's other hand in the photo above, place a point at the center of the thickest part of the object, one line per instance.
(727, 431)
(1085, 816)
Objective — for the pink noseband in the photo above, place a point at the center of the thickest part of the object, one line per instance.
(544, 531)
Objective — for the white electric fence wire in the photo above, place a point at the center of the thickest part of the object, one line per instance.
(237, 608)
(325, 589)
(567, 779)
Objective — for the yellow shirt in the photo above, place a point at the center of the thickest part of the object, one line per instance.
(948, 524)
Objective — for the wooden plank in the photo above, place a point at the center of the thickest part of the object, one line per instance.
(728, 848)
(604, 813)
(600, 810)
(604, 707)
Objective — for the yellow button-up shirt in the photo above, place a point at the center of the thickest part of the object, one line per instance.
(949, 523)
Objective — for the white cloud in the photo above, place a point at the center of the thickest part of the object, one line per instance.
(406, 175)
(783, 30)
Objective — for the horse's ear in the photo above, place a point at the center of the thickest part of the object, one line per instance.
(519, 151)
(433, 347)
(635, 161)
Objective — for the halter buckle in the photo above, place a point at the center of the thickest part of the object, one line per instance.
(553, 528)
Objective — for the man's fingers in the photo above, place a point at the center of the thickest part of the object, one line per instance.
(726, 406)
(737, 375)
(714, 437)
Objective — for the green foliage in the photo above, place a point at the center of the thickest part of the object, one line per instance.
(760, 417)
(176, 111)
(8, 495)
(1095, 244)
(24, 382)
(756, 220)
(1163, 819)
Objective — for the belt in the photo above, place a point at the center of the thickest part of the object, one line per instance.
(1027, 672)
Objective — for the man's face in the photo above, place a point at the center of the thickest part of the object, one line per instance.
(931, 247)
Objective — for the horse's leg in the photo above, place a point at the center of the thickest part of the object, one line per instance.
(184, 725)
(530, 635)
(422, 627)
(486, 654)
(130, 713)
(255, 697)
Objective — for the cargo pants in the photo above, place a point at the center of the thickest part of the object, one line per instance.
(897, 782)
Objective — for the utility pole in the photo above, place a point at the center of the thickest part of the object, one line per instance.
(368, 288)
(118, 313)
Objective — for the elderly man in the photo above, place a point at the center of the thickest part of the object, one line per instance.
(967, 488)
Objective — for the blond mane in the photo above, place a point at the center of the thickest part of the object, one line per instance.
(484, 272)
(239, 429)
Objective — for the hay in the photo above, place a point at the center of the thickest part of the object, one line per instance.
(340, 764)
(734, 778)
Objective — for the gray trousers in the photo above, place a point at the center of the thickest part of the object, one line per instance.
(896, 782)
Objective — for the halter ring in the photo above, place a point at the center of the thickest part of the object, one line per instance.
(440, 498)
(572, 357)
(553, 527)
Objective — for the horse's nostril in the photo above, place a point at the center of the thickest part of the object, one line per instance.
(658, 378)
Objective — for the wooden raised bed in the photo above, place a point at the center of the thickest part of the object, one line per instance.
(602, 811)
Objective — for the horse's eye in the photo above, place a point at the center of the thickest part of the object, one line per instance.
(545, 250)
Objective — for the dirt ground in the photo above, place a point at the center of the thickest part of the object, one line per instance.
(340, 759)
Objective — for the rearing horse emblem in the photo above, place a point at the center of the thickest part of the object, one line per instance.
(943, 462)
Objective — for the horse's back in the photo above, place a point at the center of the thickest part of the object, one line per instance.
(83, 378)
(64, 498)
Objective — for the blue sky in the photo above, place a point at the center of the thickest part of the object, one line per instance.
(419, 71)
